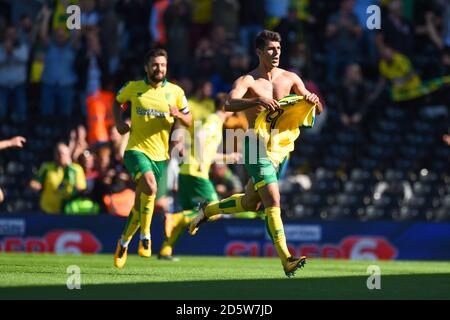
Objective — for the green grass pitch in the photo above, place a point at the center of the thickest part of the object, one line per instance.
(44, 276)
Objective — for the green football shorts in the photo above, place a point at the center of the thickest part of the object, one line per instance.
(259, 166)
(192, 190)
(137, 163)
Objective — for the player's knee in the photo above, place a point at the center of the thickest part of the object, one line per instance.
(152, 188)
(250, 204)
(272, 201)
(149, 185)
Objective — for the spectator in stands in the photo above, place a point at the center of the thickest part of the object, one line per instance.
(59, 77)
(86, 161)
(13, 75)
(353, 96)
(119, 200)
(225, 13)
(109, 33)
(299, 58)
(398, 70)
(158, 28)
(369, 49)
(177, 19)
(58, 181)
(105, 173)
(78, 143)
(292, 32)
(92, 66)
(276, 10)
(135, 15)
(90, 17)
(397, 32)
(237, 64)
(204, 58)
(222, 46)
(99, 114)
(26, 31)
(252, 16)
(343, 36)
(201, 20)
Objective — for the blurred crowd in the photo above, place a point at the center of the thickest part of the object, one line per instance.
(49, 74)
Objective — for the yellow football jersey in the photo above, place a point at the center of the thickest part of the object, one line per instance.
(200, 109)
(203, 150)
(281, 127)
(151, 122)
(400, 68)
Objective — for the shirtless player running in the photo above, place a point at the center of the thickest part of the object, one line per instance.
(253, 93)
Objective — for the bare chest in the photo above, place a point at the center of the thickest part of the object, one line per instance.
(276, 89)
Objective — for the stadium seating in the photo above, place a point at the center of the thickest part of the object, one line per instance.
(398, 170)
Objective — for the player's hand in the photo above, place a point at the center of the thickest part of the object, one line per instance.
(313, 98)
(122, 127)
(446, 139)
(269, 104)
(174, 112)
(17, 141)
(234, 157)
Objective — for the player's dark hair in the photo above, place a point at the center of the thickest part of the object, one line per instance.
(266, 35)
(219, 101)
(153, 53)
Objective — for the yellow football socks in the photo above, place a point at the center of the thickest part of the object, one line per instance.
(147, 204)
(276, 230)
(179, 227)
(229, 205)
(131, 227)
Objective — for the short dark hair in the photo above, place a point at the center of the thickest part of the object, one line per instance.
(264, 36)
(153, 53)
(219, 101)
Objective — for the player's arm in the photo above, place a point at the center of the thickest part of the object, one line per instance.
(38, 180)
(35, 185)
(300, 89)
(123, 96)
(13, 142)
(228, 158)
(176, 145)
(184, 118)
(180, 111)
(236, 101)
(121, 125)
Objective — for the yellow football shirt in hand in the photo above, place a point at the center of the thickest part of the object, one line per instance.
(281, 127)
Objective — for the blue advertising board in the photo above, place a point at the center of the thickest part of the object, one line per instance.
(232, 237)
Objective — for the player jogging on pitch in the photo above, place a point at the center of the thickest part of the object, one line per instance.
(193, 180)
(254, 93)
(156, 106)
